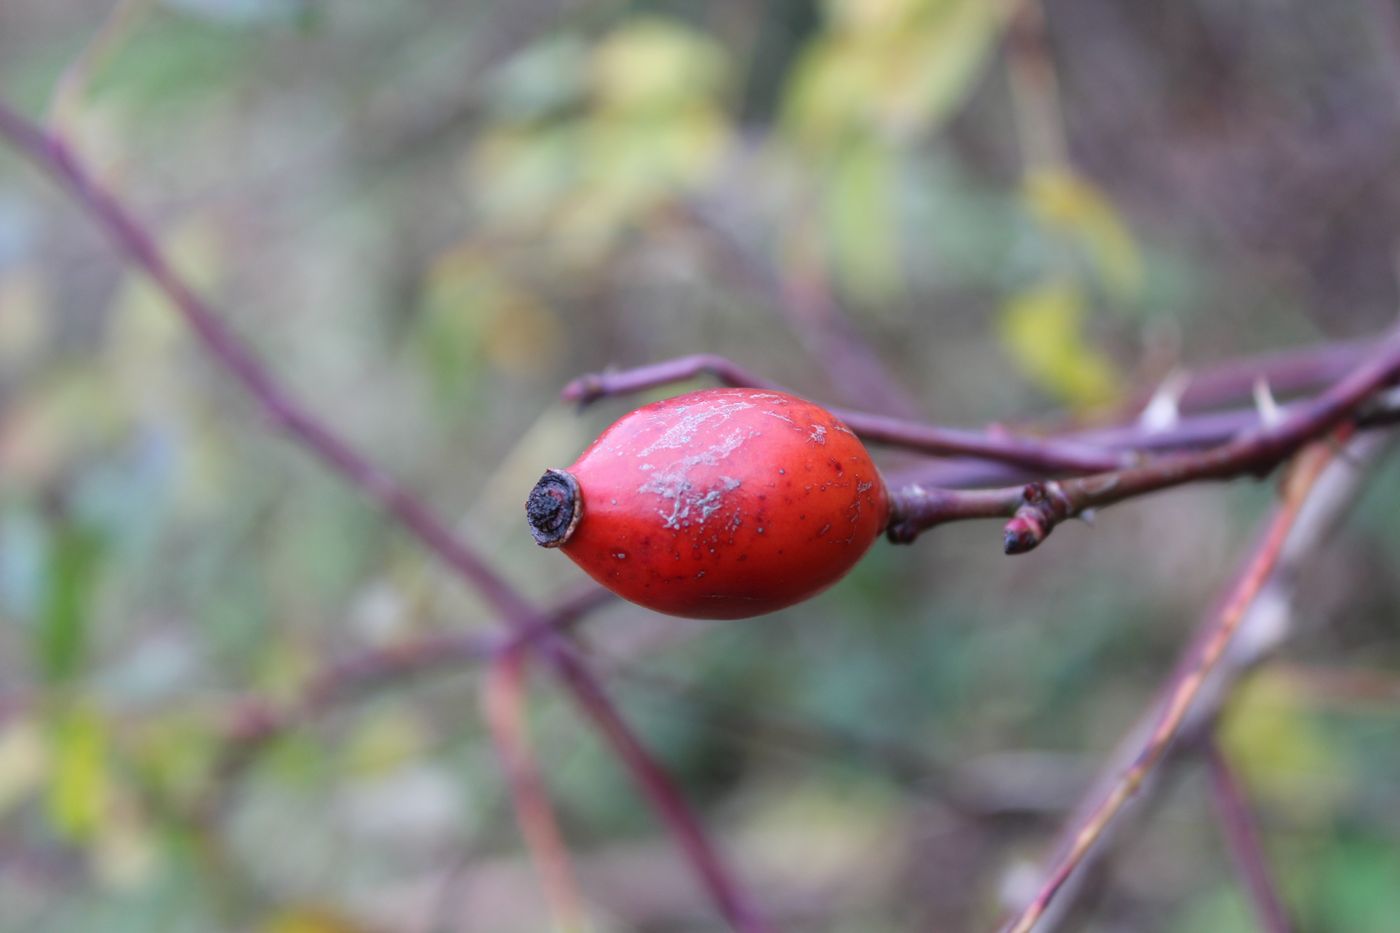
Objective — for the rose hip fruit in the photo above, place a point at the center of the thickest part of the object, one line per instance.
(719, 504)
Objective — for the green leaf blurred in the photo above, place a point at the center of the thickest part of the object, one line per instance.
(75, 559)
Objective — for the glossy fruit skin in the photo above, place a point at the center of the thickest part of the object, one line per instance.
(723, 503)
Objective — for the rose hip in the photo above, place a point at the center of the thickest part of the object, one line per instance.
(720, 504)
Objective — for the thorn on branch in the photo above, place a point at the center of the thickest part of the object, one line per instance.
(1270, 415)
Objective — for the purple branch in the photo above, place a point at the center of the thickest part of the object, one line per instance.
(51, 155)
(1287, 372)
(1036, 508)
(1183, 690)
(1043, 456)
(662, 792)
(1237, 823)
(255, 722)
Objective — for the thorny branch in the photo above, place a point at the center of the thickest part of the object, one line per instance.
(1117, 462)
(1185, 688)
(51, 154)
(1255, 452)
(1267, 624)
(1046, 456)
(1121, 464)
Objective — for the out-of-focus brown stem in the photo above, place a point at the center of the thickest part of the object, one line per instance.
(1049, 456)
(1255, 452)
(254, 722)
(1237, 823)
(1043, 505)
(1186, 687)
(51, 154)
(503, 707)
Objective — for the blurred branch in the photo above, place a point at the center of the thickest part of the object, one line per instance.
(503, 707)
(1185, 686)
(255, 722)
(51, 154)
(1038, 507)
(1089, 450)
(1020, 450)
(1237, 823)
(1267, 624)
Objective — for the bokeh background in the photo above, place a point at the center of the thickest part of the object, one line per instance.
(427, 216)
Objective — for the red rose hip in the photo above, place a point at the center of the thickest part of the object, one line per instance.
(719, 504)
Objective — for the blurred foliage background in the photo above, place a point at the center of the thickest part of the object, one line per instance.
(428, 215)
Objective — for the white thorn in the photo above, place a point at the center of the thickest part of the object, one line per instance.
(1087, 516)
(1269, 412)
(1163, 411)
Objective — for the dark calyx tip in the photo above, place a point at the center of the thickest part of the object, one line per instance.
(553, 508)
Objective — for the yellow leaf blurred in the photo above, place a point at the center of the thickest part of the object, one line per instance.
(1071, 205)
(1281, 748)
(79, 789)
(654, 64)
(873, 16)
(894, 67)
(1042, 329)
(586, 180)
(24, 762)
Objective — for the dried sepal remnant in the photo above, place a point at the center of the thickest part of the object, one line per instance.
(723, 503)
(553, 508)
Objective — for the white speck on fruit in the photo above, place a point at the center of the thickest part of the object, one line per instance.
(620, 555)
(687, 502)
(682, 432)
(818, 434)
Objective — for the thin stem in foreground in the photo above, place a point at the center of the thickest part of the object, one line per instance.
(52, 155)
(1185, 689)
(1036, 508)
(1237, 823)
(1095, 450)
(254, 723)
(503, 708)
(1041, 455)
